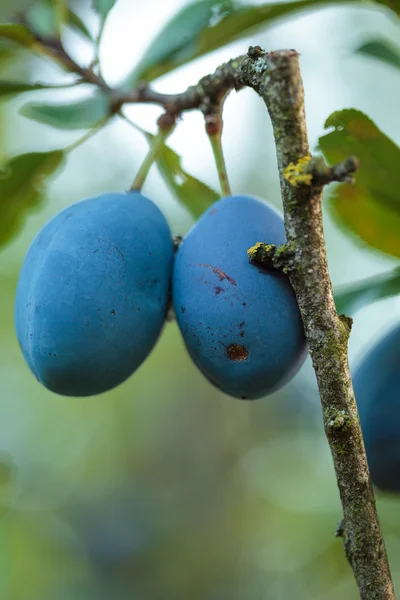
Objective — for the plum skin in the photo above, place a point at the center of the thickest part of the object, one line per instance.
(240, 322)
(376, 385)
(93, 292)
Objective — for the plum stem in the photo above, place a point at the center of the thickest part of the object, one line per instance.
(89, 134)
(156, 146)
(216, 145)
(96, 58)
(211, 108)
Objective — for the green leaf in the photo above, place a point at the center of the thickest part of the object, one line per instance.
(205, 25)
(383, 50)
(370, 208)
(17, 33)
(349, 299)
(9, 8)
(195, 195)
(394, 5)
(80, 114)
(103, 7)
(9, 88)
(21, 181)
(44, 16)
(77, 24)
(9, 53)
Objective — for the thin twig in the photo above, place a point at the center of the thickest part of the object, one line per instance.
(219, 159)
(166, 125)
(210, 89)
(96, 59)
(212, 111)
(87, 136)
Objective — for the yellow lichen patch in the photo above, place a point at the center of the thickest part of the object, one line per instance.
(254, 250)
(295, 172)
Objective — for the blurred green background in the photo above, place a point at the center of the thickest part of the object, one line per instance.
(165, 487)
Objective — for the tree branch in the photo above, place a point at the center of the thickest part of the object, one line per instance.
(281, 88)
(314, 171)
(276, 78)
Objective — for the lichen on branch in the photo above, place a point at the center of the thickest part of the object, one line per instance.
(310, 170)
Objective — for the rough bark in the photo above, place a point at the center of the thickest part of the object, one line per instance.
(327, 334)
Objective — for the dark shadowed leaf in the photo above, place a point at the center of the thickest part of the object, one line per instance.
(349, 299)
(43, 17)
(382, 50)
(195, 195)
(103, 7)
(9, 8)
(370, 209)
(206, 25)
(394, 5)
(9, 88)
(77, 24)
(17, 33)
(21, 182)
(9, 52)
(79, 114)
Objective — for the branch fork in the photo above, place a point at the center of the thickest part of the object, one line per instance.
(314, 171)
(271, 256)
(307, 171)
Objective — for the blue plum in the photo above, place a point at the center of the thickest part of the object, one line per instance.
(377, 389)
(93, 293)
(240, 322)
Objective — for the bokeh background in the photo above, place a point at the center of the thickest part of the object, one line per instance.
(165, 487)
